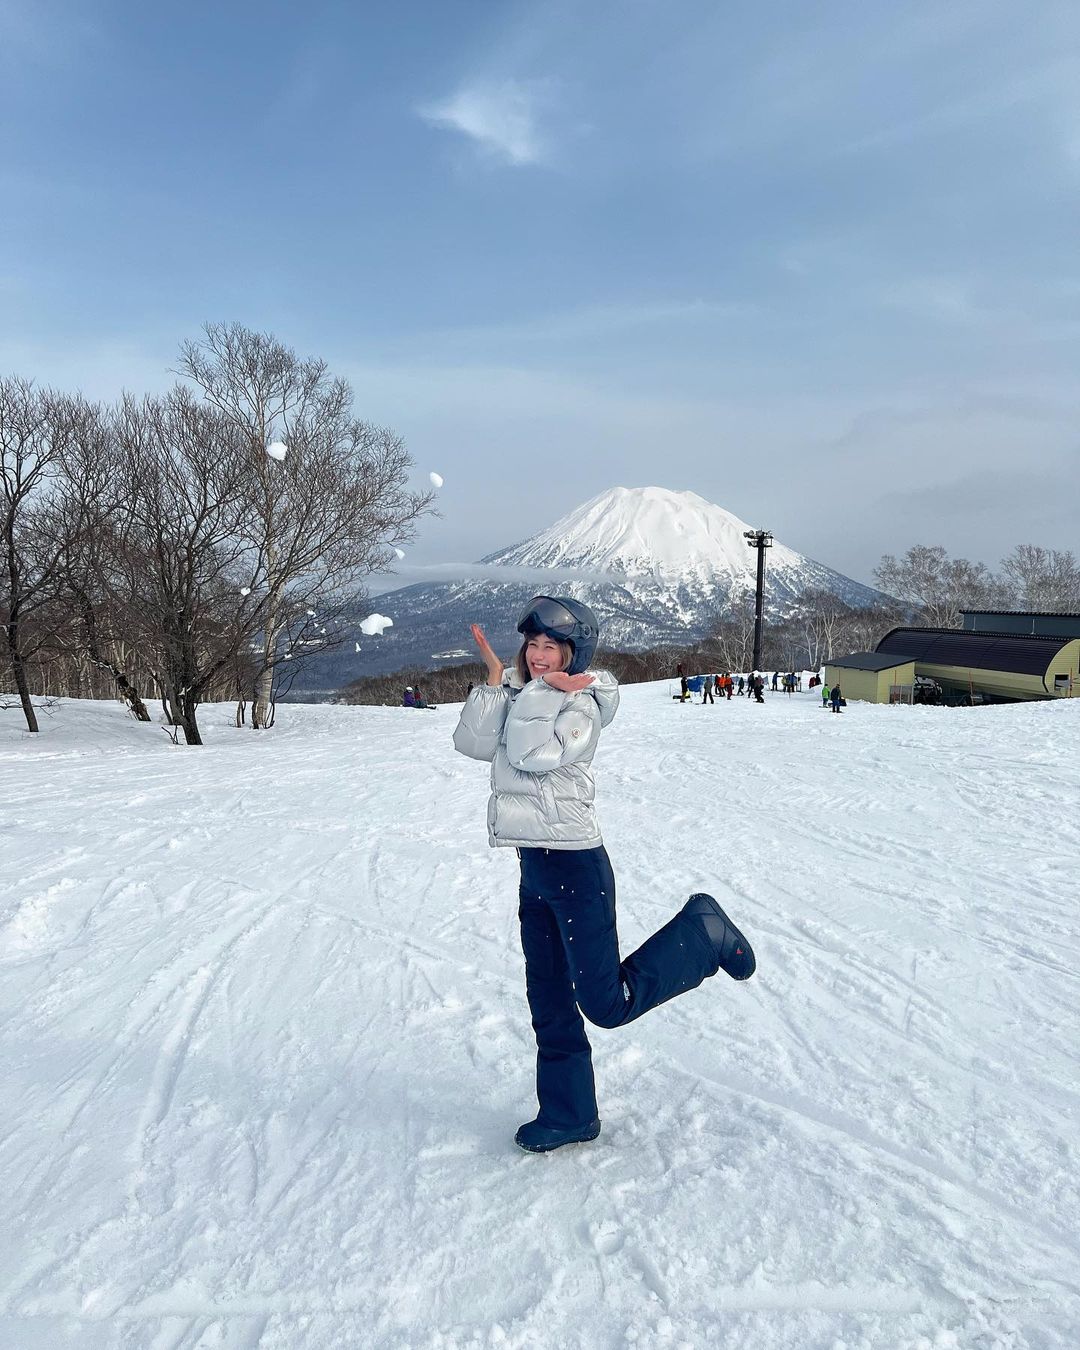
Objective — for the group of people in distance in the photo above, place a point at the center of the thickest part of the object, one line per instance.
(413, 698)
(725, 685)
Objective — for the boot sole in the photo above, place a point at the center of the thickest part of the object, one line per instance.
(740, 937)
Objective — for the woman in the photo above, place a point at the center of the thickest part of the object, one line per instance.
(538, 723)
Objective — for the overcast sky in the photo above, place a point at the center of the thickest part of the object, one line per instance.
(817, 262)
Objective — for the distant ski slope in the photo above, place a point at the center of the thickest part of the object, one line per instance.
(265, 1040)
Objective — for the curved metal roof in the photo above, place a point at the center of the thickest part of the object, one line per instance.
(1016, 653)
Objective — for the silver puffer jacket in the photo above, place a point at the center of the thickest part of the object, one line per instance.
(540, 743)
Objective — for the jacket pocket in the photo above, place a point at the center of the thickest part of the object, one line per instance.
(549, 802)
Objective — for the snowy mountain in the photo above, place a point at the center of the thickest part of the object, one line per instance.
(657, 566)
(676, 552)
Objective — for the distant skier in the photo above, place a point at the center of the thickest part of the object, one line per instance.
(741, 682)
(824, 695)
(538, 724)
(707, 690)
(837, 697)
(775, 677)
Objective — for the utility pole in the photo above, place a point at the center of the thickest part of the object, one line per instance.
(761, 540)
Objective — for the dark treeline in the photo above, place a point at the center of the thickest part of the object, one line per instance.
(728, 647)
(195, 545)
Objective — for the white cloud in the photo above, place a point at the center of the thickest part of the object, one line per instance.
(499, 117)
(429, 573)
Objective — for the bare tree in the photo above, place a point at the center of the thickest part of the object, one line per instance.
(324, 510)
(822, 619)
(87, 515)
(863, 629)
(178, 556)
(1041, 579)
(938, 585)
(35, 426)
(731, 635)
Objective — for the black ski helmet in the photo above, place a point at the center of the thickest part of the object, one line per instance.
(564, 620)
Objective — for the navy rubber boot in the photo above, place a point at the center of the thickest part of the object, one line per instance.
(537, 1138)
(733, 953)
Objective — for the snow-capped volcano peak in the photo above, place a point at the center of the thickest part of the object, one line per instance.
(650, 531)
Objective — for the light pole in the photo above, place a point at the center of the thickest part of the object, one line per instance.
(761, 540)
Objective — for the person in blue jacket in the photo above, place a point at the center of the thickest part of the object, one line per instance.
(538, 724)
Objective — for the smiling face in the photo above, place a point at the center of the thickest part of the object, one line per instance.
(543, 653)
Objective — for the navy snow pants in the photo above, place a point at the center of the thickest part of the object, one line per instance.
(572, 967)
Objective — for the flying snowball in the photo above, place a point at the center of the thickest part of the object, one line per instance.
(436, 479)
(311, 612)
(374, 624)
(358, 646)
(277, 450)
(400, 552)
(245, 590)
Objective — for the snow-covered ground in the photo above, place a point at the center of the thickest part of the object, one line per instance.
(265, 1041)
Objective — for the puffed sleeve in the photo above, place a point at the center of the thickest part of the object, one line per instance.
(480, 726)
(546, 728)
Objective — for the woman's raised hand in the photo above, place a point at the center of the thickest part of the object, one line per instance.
(494, 665)
(567, 684)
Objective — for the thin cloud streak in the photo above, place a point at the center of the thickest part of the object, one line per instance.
(452, 571)
(498, 117)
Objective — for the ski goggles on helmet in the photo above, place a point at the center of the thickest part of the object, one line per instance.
(544, 615)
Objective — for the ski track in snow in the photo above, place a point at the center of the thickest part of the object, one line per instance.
(266, 1042)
